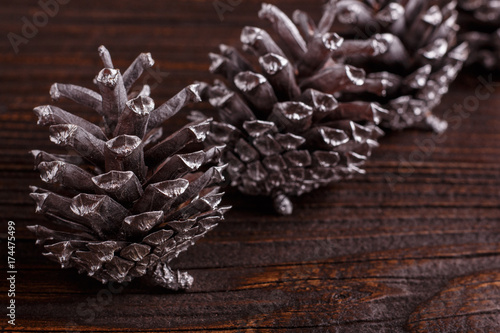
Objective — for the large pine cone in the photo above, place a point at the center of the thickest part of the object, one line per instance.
(126, 203)
(408, 50)
(480, 27)
(284, 137)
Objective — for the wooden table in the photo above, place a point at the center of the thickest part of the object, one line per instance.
(412, 246)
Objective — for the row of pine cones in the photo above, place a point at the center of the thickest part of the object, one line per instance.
(299, 107)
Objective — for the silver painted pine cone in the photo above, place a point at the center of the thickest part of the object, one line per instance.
(480, 27)
(407, 48)
(125, 201)
(284, 137)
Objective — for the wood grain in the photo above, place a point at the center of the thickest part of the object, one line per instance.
(470, 303)
(411, 246)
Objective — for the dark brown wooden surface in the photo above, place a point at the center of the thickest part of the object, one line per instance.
(411, 246)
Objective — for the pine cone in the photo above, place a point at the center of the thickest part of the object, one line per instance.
(126, 203)
(411, 46)
(480, 27)
(283, 136)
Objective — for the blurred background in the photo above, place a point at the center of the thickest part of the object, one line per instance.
(361, 255)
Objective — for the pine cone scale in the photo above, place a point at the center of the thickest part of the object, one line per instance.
(129, 203)
(287, 134)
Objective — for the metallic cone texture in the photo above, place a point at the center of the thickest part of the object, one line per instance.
(285, 129)
(480, 27)
(407, 48)
(125, 201)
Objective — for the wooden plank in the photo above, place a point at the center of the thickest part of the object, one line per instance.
(413, 245)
